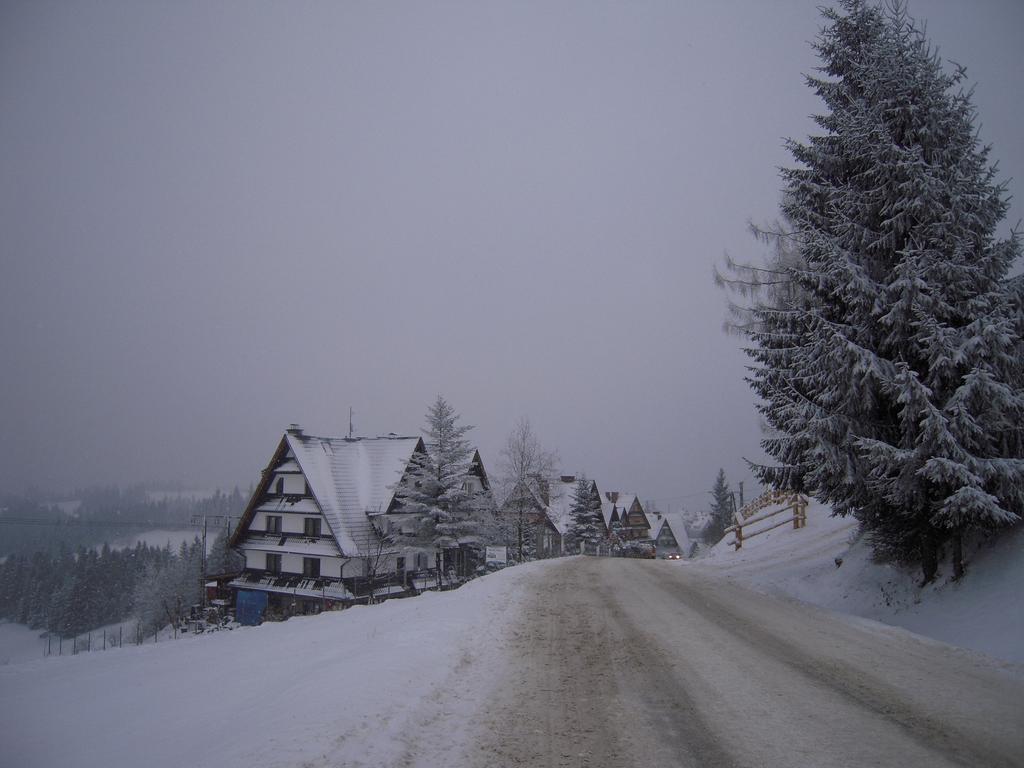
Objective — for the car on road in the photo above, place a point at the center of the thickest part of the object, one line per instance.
(673, 556)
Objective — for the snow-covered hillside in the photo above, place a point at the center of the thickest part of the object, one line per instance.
(984, 612)
(349, 688)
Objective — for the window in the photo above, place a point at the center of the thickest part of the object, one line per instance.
(311, 567)
(400, 564)
(279, 486)
(312, 526)
(273, 563)
(273, 523)
(422, 562)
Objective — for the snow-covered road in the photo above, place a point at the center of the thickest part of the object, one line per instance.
(661, 664)
(575, 662)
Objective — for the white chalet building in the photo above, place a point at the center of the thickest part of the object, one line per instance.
(324, 527)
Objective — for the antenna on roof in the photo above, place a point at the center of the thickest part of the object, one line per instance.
(350, 422)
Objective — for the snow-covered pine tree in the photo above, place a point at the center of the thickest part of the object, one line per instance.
(586, 524)
(893, 376)
(222, 559)
(434, 486)
(721, 509)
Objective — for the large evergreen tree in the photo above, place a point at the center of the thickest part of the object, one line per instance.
(892, 376)
(435, 489)
(721, 509)
(586, 523)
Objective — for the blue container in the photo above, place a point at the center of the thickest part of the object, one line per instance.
(249, 607)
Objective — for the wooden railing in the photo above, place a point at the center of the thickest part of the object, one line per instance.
(748, 514)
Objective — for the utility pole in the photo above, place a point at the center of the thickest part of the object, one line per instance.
(203, 519)
(350, 429)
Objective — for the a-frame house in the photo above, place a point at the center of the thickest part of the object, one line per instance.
(668, 532)
(324, 526)
(625, 511)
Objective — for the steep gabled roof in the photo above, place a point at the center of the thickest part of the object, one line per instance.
(559, 505)
(609, 513)
(626, 501)
(617, 505)
(350, 477)
(675, 523)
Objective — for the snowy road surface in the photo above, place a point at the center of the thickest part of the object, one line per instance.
(626, 663)
(577, 662)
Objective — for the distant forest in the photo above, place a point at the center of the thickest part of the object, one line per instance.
(33, 523)
(60, 573)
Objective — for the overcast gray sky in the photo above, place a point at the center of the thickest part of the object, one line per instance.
(217, 218)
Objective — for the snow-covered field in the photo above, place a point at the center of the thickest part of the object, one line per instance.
(343, 688)
(19, 643)
(984, 612)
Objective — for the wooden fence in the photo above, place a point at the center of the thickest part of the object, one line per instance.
(793, 503)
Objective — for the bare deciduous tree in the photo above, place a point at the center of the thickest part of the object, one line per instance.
(526, 471)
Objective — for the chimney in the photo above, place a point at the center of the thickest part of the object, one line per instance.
(568, 478)
(295, 429)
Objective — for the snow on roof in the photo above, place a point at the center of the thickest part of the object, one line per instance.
(351, 477)
(289, 504)
(294, 543)
(560, 497)
(332, 590)
(606, 509)
(625, 501)
(677, 524)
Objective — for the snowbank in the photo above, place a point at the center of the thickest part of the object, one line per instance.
(343, 688)
(984, 612)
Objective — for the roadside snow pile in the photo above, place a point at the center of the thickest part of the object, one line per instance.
(985, 612)
(357, 687)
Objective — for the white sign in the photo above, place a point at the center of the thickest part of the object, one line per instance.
(496, 555)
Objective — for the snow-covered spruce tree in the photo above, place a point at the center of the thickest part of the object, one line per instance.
(586, 524)
(222, 559)
(434, 486)
(168, 587)
(893, 376)
(721, 509)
